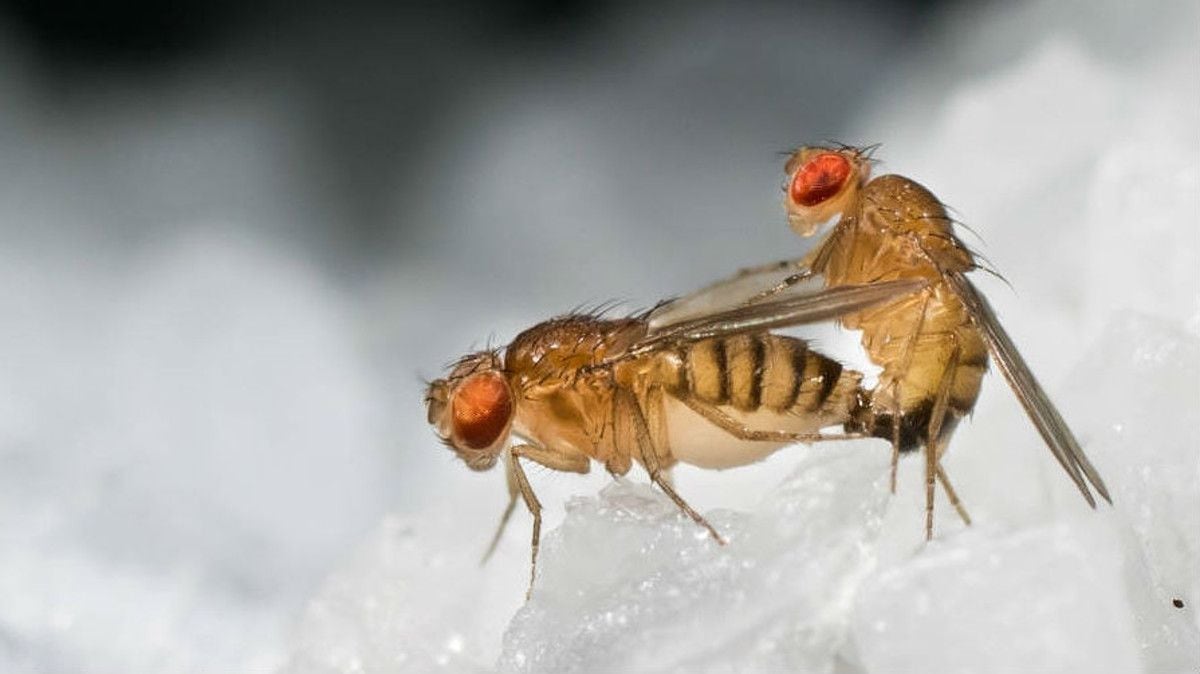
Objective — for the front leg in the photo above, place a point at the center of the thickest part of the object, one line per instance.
(514, 490)
(564, 461)
(782, 285)
(801, 272)
(550, 458)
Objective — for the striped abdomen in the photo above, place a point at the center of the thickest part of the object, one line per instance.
(765, 371)
(945, 358)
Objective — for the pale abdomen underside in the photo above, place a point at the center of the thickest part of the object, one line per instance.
(761, 381)
(696, 441)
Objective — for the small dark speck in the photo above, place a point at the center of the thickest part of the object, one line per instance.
(1178, 603)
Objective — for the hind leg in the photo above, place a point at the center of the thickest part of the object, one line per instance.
(905, 364)
(933, 447)
(895, 437)
(741, 431)
(627, 404)
(952, 495)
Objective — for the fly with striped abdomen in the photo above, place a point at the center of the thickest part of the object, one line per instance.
(932, 344)
(709, 387)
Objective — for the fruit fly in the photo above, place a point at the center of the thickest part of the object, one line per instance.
(710, 387)
(931, 344)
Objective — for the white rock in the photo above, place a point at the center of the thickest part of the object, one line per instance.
(631, 585)
(1045, 599)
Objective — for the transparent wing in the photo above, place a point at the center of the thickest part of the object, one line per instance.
(793, 308)
(787, 276)
(1041, 411)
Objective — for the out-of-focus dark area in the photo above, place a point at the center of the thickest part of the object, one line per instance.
(371, 90)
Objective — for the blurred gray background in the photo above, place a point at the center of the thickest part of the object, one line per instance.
(235, 236)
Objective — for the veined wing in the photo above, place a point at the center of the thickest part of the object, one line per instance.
(735, 291)
(794, 308)
(1041, 411)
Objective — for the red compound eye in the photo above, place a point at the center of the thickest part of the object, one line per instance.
(820, 178)
(482, 407)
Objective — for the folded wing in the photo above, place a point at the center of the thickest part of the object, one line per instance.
(796, 307)
(1033, 398)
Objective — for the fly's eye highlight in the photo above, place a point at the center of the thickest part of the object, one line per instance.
(481, 408)
(820, 178)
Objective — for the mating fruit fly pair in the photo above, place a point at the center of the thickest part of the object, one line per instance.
(703, 380)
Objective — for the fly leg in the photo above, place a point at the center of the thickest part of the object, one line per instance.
(931, 465)
(952, 495)
(741, 431)
(895, 435)
(514, 490)
(556, 461)
(550, 458)
(897, 411)
(802, 273)
(646, 450)
(535, 509)
(652, 405)
(810, 265)
(807, 267)
(933, 449)
(784, 284)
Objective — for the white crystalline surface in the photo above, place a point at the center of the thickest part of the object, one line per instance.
(629, 586)
(824, 574)
(405, 604)
(1080, 168)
